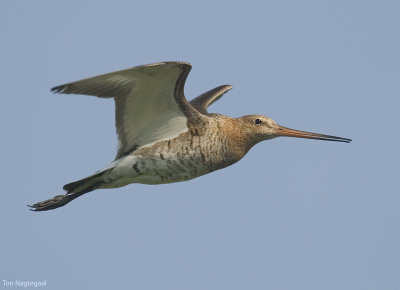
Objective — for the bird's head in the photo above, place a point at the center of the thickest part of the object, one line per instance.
(258, 128)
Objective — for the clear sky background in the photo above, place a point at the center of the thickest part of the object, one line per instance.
(293, 214)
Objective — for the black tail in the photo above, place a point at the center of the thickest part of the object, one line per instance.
(87, 184)
(74, 190)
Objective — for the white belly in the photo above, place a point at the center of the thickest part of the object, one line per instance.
(137, 169)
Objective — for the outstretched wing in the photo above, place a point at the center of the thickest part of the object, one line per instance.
(150, 105)
(202, 102)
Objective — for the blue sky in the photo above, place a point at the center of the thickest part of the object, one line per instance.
(293, 214)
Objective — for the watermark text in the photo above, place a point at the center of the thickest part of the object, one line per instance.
(25, 284)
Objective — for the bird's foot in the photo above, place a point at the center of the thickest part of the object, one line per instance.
(51, 203)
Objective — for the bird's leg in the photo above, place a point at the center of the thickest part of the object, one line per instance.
(74, 190)
(52, 203)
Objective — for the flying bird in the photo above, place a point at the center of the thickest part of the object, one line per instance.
(163, 138)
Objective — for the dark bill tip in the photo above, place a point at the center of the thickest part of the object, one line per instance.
(287, 132)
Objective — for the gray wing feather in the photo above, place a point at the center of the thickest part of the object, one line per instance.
(202, 102)
(149, 99)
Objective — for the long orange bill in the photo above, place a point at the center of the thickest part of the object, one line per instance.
(283, 131)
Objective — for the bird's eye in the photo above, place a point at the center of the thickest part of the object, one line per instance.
(258, 121)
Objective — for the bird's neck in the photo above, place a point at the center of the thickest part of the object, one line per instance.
(238, 141)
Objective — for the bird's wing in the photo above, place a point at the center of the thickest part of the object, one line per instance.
(202, 102)
(150, 105)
